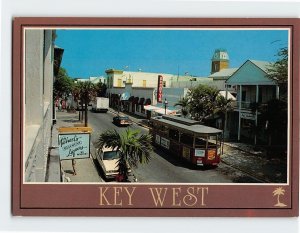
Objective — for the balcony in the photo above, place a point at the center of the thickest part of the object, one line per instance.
(248, 105)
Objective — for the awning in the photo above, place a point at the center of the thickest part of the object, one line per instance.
(150, 107)
(229, 95)
(136, 100)
(131, 98)
(165, 111)
(160, 110)
(125, 96)
(148, 101)
(141, 102)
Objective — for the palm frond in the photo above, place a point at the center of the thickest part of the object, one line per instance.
(109, 138)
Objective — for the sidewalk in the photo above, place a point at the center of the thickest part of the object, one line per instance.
(85, 168)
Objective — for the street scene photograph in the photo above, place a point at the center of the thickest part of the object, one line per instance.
(159, 105)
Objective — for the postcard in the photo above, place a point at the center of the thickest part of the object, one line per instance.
(155, 117)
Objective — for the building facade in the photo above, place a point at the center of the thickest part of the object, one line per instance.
(118, 78)
(254, 89)
(38, 100)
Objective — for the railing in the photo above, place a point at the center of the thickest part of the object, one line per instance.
(244, 105)
(247, 105)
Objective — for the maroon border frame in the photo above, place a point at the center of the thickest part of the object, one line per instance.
(221, 200)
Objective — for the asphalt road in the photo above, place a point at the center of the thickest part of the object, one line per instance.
(162, 168)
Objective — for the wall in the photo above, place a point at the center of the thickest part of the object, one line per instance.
(136, 78)
(38, 102)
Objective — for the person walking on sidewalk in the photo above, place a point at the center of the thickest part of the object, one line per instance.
(74, 168)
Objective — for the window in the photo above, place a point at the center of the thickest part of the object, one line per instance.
(119, 82)
(164, 83)
(243, 95)
(144, 83)
(174, 134)
(186, 139)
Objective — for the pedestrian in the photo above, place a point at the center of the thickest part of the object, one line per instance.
(59, 106)
(73, 165)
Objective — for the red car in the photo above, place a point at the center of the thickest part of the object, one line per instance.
(122, 120)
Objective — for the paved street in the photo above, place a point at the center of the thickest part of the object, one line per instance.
(239, 163)
(162, 168)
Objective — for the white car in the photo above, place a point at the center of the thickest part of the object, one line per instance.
(108, 160)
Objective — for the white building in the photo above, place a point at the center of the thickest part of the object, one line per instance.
(253, 88)
(118, 78)
(94, 80)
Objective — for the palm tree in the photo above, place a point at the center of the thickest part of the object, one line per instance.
(87, 93)
(184, 103)
(278, 192)
(134, 148)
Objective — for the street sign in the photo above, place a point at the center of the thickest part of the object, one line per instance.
(74, 146)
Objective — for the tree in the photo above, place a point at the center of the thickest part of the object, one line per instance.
(278, 72)
(63, 84)
(134, 148)
(184, 103)
(274, 114)
(100, 89)
(222, 106)
(86, 94)
(202, 100)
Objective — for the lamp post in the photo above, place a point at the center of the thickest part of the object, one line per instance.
(166, 104)
(119, 103)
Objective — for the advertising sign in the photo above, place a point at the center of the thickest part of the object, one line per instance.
(186, 152)
(159, 88)
(157, 139)
(165, 143)
(74, 146)
(199, 153)
(211, 154)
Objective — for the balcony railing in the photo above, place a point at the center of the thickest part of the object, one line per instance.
(247, 105)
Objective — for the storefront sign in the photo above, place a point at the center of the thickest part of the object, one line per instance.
(248, 115)
(165, 143)
(74, 146)
(186, 152)
(199, 153)
(159, 88)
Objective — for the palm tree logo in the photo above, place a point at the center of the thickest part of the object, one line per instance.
(278, 192)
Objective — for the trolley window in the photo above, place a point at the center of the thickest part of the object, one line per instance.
(174, 134)
(187, 139)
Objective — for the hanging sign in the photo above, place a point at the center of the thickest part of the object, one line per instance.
(159, 88)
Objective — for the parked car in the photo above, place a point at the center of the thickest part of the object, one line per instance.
(108, 161)
(122, 120)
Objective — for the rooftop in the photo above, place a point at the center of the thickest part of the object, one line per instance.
(223, 73)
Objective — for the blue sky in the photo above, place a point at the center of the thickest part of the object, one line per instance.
(90, 52)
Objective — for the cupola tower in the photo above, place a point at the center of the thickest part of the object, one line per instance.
(219, 61)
